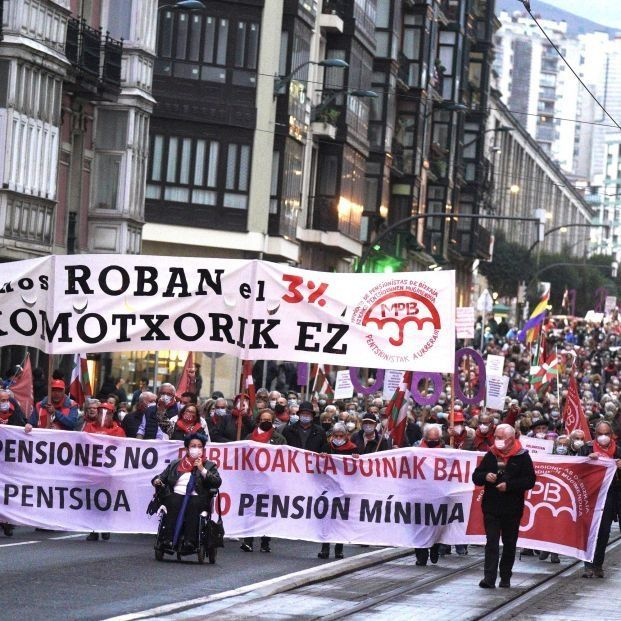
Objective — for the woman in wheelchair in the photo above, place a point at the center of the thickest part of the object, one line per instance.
(185, 486)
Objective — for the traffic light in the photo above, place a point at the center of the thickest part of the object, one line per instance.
(387, 265)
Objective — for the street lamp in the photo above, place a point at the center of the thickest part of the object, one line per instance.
(317, 110)
(497, 130)
(280, 82)
(514, 189)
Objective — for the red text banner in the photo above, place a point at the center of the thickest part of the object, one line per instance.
(407, 497)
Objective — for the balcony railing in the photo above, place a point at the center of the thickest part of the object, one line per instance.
(335, 7)
(96, 59)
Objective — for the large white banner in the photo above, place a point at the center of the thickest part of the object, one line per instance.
(253, 309)
(406, 497)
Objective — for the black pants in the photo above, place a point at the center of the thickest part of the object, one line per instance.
(505, 527)
(265, 541)
(612, 507)
(196, 505)
(422, 554)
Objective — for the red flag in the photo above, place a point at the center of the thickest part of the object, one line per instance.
(187, 381)
(80, 385)
(573, 413)
(248, 384)
(21, 385)
(397, 409)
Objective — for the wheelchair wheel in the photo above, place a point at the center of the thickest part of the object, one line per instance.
(159, 554)
(212, 553)
(201, 554)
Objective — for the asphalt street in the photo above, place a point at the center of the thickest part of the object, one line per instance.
(59, 575)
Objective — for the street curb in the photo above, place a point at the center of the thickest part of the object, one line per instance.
(276, 585)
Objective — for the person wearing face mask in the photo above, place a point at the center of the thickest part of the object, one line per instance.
(539, 428)
(326, 421)
(10, 411)
(604, 446)
(193, 476)
(156, 418)
(131, 423)
(272, 399)
(367, 438)
(224, 422)
(463, 437)
(104, 423)
(265, 433)
(576, 442)
(484, 434)
(187, 422)
(305, 434)
(282, 415)
(61, 412)
(507, 473)
(339, 444)
(432, 438)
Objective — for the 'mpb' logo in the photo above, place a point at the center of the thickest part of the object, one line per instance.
(400, 308)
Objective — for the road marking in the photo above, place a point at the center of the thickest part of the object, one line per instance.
(278, 584)
(17, 543)
(64, 537)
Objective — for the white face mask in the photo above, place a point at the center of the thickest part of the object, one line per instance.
(578, 444)
(350, 426)
(4, 406)
(603, 440)
(305, 419)
(540, 435)
(272, 404)
(338, 441)
(499, 444)
(368, 429)
(166, 399)
(195, 452)
(458, 429)
(561, 450)
(122, 414)
(483, 428)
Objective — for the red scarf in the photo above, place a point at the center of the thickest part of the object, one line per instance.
(459, 441)
(4, 416)
(113, 430)
(185, 465)
(481, 440)
(605, 451)
(261, 436)
(188, 427)
(505, 455)
(348, 446)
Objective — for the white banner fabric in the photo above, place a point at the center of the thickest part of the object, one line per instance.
(406, 497)
(392, 381)
(537, 445)
(464, 322)
(496, 391)
(255, 310)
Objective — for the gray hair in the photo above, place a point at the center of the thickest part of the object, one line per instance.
(339, 428)
(166, 385)
(507, 428)
(8, 392)
(146, 395)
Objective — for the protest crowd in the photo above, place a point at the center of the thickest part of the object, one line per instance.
(565, 355)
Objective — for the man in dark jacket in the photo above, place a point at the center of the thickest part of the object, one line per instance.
(305, 434)
(507, 472)
(366, 439)
(604, 446)
(156, 418)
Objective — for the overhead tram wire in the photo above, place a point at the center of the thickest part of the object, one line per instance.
(526, 4)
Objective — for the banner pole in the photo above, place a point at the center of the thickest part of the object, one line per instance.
(452, 411)
(50, 372)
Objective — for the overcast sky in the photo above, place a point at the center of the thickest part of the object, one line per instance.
(607, 12)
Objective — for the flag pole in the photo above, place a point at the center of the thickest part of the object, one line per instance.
(50, 372)
(558, 382)
(452, 411)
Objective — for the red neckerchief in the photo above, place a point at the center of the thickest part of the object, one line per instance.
(516, 448)
(605, 451)
(44, 416)
(4, 416)
(261, 436)
(424, 444)
(348, 446)
(185, 465)
(188, 427)
(480, 439)
(93, 427)
(458, 441)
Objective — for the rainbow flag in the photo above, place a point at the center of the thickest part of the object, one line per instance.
(530, 331)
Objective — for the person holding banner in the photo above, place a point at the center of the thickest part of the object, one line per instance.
(339, 444)
(105, 422)
(507, 473)
(604, 446)
(265, 433)
(10, 411)
(60, 412)
(188, 479)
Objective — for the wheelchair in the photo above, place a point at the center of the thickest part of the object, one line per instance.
(209, 537)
